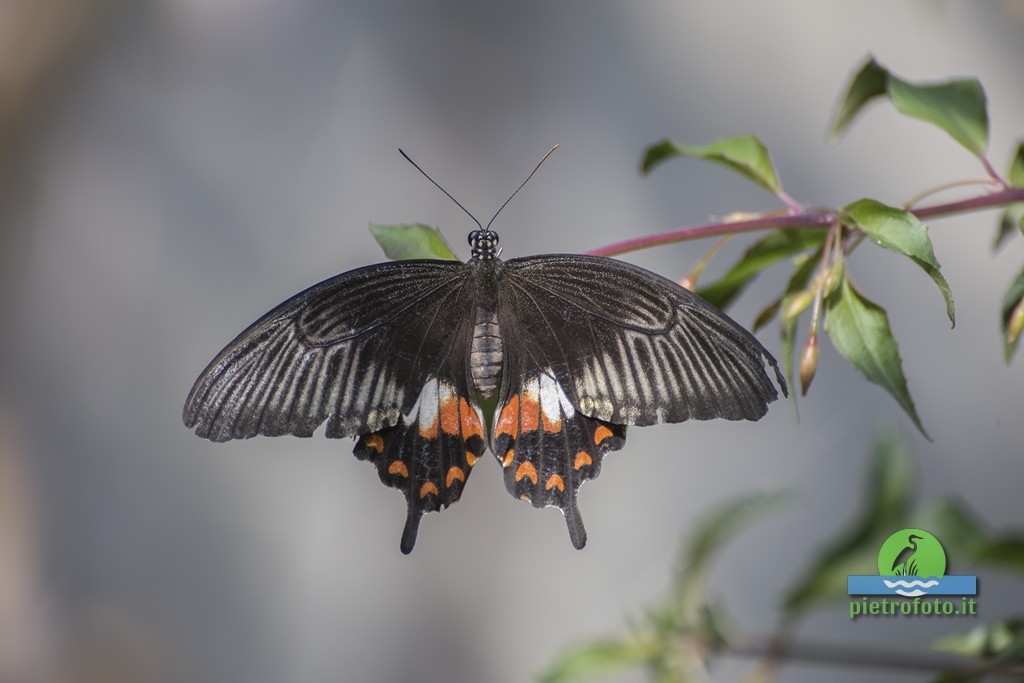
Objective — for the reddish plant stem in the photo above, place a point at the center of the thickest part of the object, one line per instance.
(985, 201)
(993, 173)
(807, 219)
(801, 220)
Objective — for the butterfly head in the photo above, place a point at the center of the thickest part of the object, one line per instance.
(484, 244)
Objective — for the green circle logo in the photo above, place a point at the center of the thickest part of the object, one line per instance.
(912, 552)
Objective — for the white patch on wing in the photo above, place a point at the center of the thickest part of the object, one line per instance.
(546, 391)
(433, 395)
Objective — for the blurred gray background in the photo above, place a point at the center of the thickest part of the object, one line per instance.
(171, 169)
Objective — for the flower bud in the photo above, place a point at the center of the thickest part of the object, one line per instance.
(808, 363)
(798, 304)
(832, 279)
(1016, 323)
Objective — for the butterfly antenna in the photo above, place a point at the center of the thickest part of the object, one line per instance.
(521, 186)
(417, 167)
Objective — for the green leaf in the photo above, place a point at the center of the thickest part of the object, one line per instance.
(957, 677)
(766, 252)
(958, 107)
(1011, 300)
(1011, 221)
(901, 231)
(860, 331)
(870, 82)
(1003, 639)
(745, 154)
(412, 242)
(1013, 217)
(711, 535)
(1004, 552)
(766, 315)
(601, 658)
(960, 531)
(1016, 174)
(968, 540)
(889, 494)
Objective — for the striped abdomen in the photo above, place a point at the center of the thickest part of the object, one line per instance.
(485, 355)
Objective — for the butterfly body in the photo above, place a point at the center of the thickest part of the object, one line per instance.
(400, 354)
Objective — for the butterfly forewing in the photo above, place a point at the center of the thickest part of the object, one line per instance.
(631, 347)
(353, 351)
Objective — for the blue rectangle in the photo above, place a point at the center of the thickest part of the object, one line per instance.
(904, 585)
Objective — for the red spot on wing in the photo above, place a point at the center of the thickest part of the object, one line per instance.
(530, 419)
(582, 459)
(376, 442)
(601, 433)
(470, 421)
(508, 421)
(554, 481)
(453, 474)
(429, 431)
(450, 416)
(428, 488)
(553, 426)
(526, 469)
(398, 467)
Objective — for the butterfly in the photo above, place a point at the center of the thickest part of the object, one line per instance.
(569, 349)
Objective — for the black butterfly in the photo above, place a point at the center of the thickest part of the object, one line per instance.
(401, 354)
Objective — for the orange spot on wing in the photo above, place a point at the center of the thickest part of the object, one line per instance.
(453, 474)
(507, 460)
(526, 469)
(508, 421)
(428, 487)
(398, 467)
(375, 441)
(470, 422)
(553, 426)
(450, 416)
(471, 458)
(429, 431)
(582, 459)
(602, 433)
(554, 481)
(530, 414)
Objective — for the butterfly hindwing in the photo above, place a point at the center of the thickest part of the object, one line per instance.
(546, 448)
(430, 453)
(631, 347)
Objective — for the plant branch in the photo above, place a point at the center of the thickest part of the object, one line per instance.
(993, 172)
(793, 205)
(916, 199)
(806, 219)
(985, 201)
(801, 220)
(828, 653)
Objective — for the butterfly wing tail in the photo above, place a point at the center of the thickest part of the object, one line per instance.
(547, 449)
